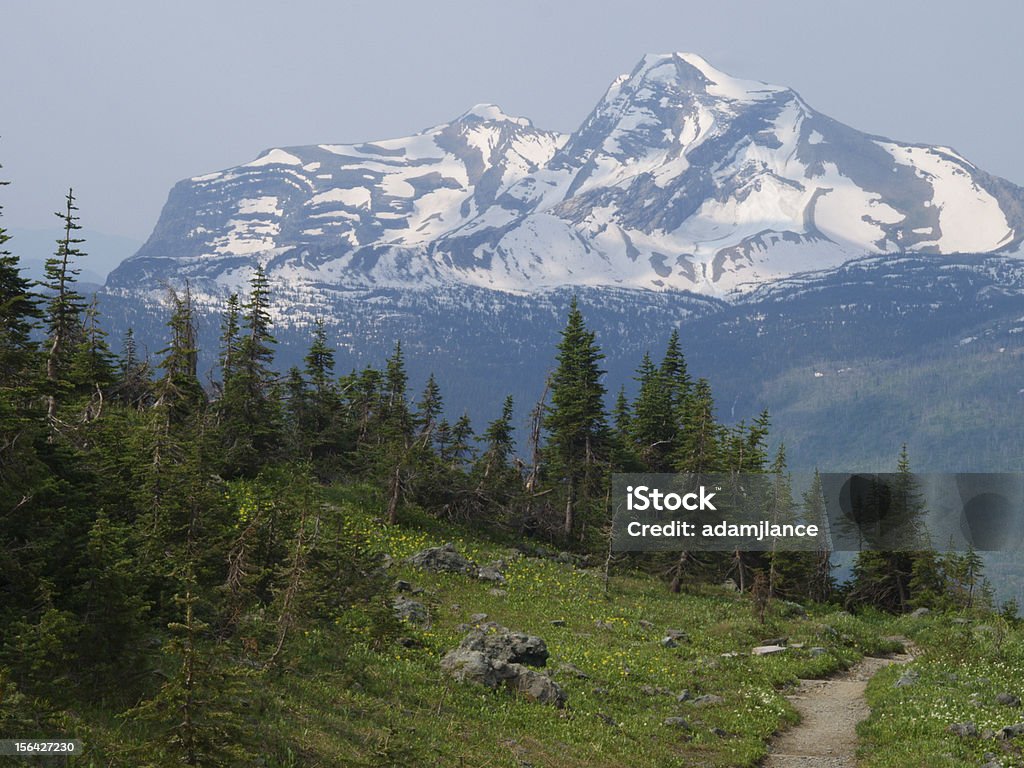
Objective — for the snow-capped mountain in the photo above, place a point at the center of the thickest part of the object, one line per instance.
(682, 178)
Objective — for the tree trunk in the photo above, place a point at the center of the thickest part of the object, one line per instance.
(569, 510)
(394, 491)
(677, 577)
(740, 571)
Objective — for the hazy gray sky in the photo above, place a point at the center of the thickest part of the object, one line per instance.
(121, 100)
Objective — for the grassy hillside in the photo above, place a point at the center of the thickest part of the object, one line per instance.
(348, 700)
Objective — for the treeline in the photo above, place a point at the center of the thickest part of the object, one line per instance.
(163, 543)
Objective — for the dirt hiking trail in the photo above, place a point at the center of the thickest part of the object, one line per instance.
(830, 709)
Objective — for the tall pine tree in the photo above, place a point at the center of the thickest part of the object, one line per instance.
(578, 437)
(64, 307)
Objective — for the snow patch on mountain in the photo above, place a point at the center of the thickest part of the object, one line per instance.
(275, 157)
(970, 219)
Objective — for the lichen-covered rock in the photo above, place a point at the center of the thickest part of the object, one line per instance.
(492, 572)
(963, 730)
(503, 644)
(1010, 731)
(537, 687)
(412, 611)
(492, 655)
(471, 667)
(444, 559)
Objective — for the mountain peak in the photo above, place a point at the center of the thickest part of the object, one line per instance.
(491, 113)
(681, 177)
(690, 71)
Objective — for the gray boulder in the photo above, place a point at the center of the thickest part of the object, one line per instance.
(963, 730)
(791, 610)
(490, 573)
(917, 613)
(471, 667)
(412, 611)
(571, 670)
(767, 650)
(534, 686)
(1008, 699)
(707, 700)
(492, 655)
(677, 722)
(444, 559)
(503, 644)
(1010, 732)
(907, 679)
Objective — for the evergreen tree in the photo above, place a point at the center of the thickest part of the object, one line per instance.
(460, 446)
(19, 312)
(623, 455)
(653, 420)
(320, 360)
(64, 306)
(178, 391)
(677, 381)
(428, 409)
(230, 338)
(92, 366)
(316, 426)
(396, 432)
(394, 403)
(194, 713)
(249, 408)
(133, 387)
(498, 442)
(700, 445)
(300, 427)
(889, 577)
(821, 582)
(578, 439)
